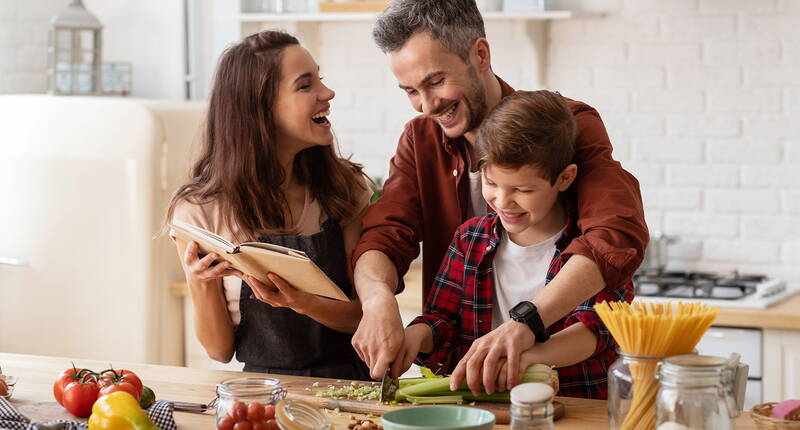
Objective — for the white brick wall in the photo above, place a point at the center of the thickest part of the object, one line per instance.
(713, 126)
(700, 97)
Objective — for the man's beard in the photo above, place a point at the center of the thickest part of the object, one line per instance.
(475, 101)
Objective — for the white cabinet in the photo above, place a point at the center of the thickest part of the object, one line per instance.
(781, 365)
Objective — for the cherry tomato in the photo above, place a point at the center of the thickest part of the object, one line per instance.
(79, 397)
(269, 412)
(239, 411)
(260, 425)
(121, 386)
(243, 425)
(272, 425)
(255, 411)
(226, 423)
(65, 378)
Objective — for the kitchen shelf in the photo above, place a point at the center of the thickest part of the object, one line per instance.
(370, 16)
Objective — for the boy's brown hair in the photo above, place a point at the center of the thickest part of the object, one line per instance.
(529, 128)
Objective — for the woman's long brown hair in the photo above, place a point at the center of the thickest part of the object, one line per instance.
(238, 165)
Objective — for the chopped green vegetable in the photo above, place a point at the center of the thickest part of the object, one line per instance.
(437, 390)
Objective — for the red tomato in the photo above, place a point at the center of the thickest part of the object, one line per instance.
(121, 386)
(272, 425)
(269, 412)
(65, 378)
(110, 376)
(127, 375)
(239, 411)
(243, 425)
(255, 411)
(260, 425)
(226, 423)
(79, 397)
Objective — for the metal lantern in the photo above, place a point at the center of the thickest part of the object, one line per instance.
(74, 51)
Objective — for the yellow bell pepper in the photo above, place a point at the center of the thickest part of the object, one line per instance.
(119, 411)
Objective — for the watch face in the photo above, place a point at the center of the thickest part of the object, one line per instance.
(522, 309)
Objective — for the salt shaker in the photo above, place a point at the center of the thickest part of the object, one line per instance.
(532, 407)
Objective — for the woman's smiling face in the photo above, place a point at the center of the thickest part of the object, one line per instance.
(302, 104)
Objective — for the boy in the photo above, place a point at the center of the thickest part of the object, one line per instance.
(495, 262)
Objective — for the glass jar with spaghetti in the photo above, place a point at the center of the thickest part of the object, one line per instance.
(621, 386)
(694, 393)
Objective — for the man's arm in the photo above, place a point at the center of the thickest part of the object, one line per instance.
(389, 242)
(610, 211)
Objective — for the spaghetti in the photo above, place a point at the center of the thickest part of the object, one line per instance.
(652, 330)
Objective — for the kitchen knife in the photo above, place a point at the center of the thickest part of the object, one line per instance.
(389, 387)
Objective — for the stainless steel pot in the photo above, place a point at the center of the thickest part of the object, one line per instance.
(655, 256)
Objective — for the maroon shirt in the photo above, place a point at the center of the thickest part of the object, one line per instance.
(426, 195)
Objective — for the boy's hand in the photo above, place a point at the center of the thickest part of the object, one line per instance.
(481, 364)
(414, 338)
(527, 359)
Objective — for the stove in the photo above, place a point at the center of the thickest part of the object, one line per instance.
(724, 290)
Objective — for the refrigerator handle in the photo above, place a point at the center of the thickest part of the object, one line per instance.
(8, 261)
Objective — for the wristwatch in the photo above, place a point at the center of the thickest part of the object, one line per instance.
(526, 313)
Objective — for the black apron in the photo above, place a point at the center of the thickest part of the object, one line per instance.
(281, 341)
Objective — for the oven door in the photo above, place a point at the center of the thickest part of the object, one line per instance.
(722, 341)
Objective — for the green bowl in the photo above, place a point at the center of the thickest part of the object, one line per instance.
(438, 417)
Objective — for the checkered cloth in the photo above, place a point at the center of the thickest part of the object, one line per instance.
(10, 418)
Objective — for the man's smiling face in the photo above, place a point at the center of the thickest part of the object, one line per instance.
(440, 84)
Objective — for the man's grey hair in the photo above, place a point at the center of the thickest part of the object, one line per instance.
(454, 23)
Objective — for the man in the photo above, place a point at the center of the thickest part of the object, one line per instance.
(438, 52)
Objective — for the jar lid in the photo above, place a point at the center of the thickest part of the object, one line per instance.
(532, 392)
(692, 360)
(252, 387)
(296, 415)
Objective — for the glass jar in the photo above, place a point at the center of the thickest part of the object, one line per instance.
(531, 407)
(240, 399)
(295, 415)
(632, 385)
(695, 392)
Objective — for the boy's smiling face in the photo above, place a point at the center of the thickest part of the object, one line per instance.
(525, 201)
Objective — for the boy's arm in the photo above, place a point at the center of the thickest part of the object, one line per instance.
(442, 311)
(586, 315)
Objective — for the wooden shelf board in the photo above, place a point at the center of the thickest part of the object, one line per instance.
(370, 16)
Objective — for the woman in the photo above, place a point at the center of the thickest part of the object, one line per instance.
(268, 171)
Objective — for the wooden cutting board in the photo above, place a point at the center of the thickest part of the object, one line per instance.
(304, 391)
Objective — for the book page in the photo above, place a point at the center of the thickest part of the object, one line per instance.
(276, 248)
(199, 235)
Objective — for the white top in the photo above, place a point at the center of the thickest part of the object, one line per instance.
(519, 273)
(477, 204)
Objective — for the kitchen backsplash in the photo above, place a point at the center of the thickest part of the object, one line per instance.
(701, 99)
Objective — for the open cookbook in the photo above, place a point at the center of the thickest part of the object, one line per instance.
(258, 259)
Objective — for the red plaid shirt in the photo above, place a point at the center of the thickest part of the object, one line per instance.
(459, 307)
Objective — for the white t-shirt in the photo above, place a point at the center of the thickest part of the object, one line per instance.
(520, 273)
(477, 204)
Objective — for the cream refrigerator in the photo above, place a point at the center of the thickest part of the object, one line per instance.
(85, 185)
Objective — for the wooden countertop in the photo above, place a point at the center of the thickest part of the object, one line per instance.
(36, 375)
(784, 315)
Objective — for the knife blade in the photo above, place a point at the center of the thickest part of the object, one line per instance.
(389, 387)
